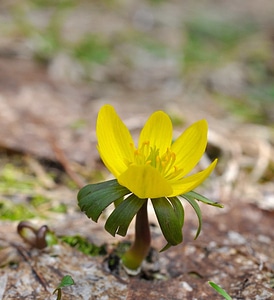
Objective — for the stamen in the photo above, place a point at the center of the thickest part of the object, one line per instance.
(147, 155)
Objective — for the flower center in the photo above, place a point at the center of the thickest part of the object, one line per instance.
(147, 155)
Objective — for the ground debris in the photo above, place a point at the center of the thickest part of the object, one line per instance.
(237, 258)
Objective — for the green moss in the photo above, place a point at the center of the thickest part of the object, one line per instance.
(92, 49)
(38, 200)
(176, 119)
(48, 43)
(156, 48)
(156, 1)
(83, 245)
(11, 211)
(12, 179)
(61, 208)
(53, 3)
(78, 124)
(209, 41)
(20, 199)
(255, 107)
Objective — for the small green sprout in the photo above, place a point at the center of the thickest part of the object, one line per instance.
(38, 238)
(66, 281)
(156, 170)
(219, 290)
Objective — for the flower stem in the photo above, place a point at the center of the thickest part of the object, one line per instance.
(138, 251)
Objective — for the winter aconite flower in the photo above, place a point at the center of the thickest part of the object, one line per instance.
(156, 167)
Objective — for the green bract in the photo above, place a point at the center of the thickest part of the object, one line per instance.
(93, 199)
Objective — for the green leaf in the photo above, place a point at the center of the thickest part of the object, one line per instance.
(66, 281)
(219, 290)
(170, 223)
(197, 209)
(94, 198)
(202, 198)
(123, 214)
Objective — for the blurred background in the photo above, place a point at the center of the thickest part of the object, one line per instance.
(164, 50)
(61, 60)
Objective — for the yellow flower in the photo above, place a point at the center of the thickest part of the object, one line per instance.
(157, 167)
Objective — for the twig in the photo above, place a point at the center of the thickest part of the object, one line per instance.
(23, 252)
(58, 152)
(61, 157)
(3, 283)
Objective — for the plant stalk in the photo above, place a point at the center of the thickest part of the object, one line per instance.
(138, 251)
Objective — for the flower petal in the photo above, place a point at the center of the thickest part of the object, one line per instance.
(114, 140)
(158, 131)
(191, 182)
(145, 182)
(190, 146)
